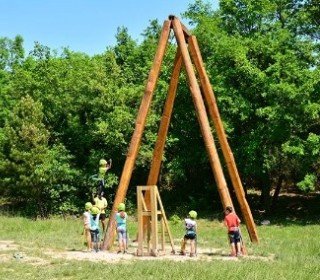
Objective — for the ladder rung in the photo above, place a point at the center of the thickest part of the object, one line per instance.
(148, 213)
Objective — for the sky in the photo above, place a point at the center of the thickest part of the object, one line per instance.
(87, 26)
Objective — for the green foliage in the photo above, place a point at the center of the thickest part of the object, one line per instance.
(34, 171)
(264, 66)
(308, 183)
(62, 112)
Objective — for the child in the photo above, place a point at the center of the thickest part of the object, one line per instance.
(121, 220)
(102, 204)
(94, 227)
(191, 234)
(86, 225)
(232, 222)
(104, 166)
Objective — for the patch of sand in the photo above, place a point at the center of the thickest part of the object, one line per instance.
(7, 246)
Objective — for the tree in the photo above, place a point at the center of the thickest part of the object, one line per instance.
(263, 63)
(33, 171)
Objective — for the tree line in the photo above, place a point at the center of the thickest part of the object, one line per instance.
(61, 111)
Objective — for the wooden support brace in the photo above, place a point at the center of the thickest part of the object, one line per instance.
(202, 117)
(227, 153)
(137, 134)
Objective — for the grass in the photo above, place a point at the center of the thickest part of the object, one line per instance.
(295, 249)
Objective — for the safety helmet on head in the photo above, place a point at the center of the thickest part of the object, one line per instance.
(88, 206)
(193, 214)
(95, 210)
(121, 207)
(103, 162)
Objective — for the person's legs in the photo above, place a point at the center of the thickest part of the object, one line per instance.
(120, 242)
(103, 221)
(88, 238)
(233, 249)
(183, 246)
(192, 247)
(239, 249)
(124, 241)
(232, 244)
(237, 242)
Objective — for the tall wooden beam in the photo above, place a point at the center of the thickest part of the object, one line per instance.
(227, 153)
(163, 129)
(202, 116)
(165, 122)
(137, 135)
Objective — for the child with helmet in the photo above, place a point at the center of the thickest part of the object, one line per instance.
(191, 234)
(94, 227)
(86, 225)
(121, 220)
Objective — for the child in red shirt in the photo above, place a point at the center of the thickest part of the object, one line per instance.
(232, 222)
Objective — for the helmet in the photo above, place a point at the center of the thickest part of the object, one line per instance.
(121, 207)
(102, 162)
(193, 214)
(95, 210)
(88, 206)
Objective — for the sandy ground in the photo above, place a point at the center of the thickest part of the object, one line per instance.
(10, 251)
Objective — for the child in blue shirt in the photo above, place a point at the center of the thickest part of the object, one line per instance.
(94, 228)
(121, 220)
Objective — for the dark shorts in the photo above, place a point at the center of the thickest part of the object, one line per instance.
(190, 236)
(94, 235)
(234, 236)
(102, 217)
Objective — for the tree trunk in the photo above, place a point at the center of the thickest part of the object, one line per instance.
(276, 193)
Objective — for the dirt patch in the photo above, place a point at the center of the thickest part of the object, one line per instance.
(113, 257)
(9, 252)
(7, 245)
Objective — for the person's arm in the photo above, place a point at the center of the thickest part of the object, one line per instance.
(109, 165)
(225, 222)
(238, 221)
(105, 204)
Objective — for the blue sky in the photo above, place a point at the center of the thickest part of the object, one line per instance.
(82, 25)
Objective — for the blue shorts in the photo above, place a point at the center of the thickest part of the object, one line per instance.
(122, 234)
(234, 236)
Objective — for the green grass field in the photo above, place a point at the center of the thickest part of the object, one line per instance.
(288, 251)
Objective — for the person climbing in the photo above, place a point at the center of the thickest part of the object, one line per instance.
(121, 220)
(99, 178)
(86, 225)
(191, 234)
(102, 204)
(104, 166)
(232, 222)
(94, 228)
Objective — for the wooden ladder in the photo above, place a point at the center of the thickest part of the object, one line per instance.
(149, 220)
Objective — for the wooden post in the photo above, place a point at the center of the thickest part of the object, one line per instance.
(164, 126)
(137, 135)
(154, 222)
(227, 153)
(202, 117)
(165, 122)
(140, 221)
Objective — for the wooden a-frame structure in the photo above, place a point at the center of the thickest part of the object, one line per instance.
(188, 54)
